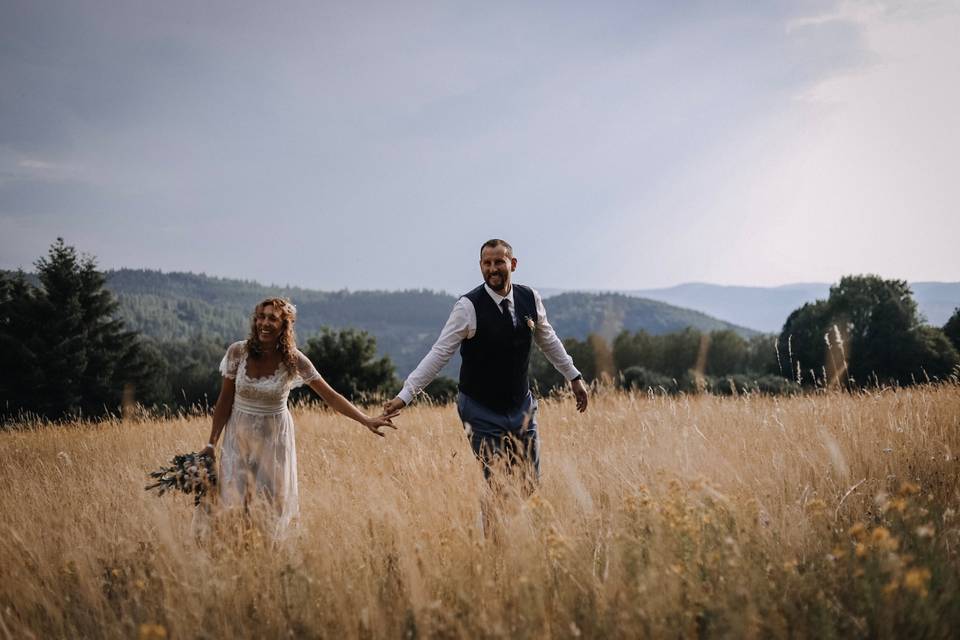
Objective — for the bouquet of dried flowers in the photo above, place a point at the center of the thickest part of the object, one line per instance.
(189, 472)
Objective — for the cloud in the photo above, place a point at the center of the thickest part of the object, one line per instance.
(856, 173)
(664, 142)
(38, 165)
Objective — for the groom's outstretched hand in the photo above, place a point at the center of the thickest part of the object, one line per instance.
(580, 393)
(393, 406)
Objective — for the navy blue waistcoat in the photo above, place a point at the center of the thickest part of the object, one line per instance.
(497, 357)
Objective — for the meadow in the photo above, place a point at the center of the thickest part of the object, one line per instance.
(825, 515)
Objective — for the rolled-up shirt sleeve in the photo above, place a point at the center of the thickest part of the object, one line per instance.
(460, 326)
(548, 342)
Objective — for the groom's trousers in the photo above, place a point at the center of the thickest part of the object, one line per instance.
(503, 441)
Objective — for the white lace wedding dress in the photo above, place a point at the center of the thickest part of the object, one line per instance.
(258, 458)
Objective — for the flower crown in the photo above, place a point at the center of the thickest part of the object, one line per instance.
(290, 308)
(283, 305)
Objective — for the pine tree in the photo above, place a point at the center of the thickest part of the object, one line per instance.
(75, 356)
(21, 376)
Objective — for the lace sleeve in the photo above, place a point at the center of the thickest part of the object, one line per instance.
(306, 372)
(231, 359)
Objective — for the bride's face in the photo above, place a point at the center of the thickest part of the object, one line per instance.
(269, 324)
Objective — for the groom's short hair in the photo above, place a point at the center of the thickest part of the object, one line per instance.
(493, 243)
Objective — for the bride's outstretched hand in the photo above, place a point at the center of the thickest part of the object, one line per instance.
(382, 420)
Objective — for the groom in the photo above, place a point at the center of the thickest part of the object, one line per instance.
(494, 327)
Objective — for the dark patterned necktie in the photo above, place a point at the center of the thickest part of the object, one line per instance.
(505, 305)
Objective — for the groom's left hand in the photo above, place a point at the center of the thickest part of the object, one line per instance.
(580, 393)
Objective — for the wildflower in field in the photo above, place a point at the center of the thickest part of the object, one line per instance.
(891, 588)
(815, 506)
(909, 489)
(152, 632)
(918, 581)
(925, 531)
(881, 539)
(897, 504)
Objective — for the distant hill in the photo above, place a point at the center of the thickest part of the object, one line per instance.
(937, 300)
(406, 323)
(766, 308)
(579, 314)
(171, 306)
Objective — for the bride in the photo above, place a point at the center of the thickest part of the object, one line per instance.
(258, 458)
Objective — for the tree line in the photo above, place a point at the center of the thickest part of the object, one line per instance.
(719, 361)
(868, 332)
(69, 354)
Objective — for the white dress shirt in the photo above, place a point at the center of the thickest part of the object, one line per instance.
(462, 325)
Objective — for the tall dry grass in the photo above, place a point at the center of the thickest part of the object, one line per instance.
(828, 515)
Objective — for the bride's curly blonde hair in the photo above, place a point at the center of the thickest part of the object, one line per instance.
(287, 343)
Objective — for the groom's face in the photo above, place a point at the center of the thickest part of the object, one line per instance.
(496, 265)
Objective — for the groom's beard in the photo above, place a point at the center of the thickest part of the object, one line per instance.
(497, 283)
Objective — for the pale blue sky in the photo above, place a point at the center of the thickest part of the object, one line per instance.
(376, 145)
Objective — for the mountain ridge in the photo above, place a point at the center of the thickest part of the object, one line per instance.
(766, 308)
(181, 305)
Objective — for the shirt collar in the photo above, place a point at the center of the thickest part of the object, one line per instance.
(497, 298)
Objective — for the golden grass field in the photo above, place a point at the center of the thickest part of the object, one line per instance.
(830, 515)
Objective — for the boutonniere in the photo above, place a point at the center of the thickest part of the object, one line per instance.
(530, 323)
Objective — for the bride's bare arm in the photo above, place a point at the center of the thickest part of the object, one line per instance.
(347, 408)
(221, 412)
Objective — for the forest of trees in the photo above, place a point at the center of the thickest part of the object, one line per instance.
(70, 354)
(720, 362)
(867, 333)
